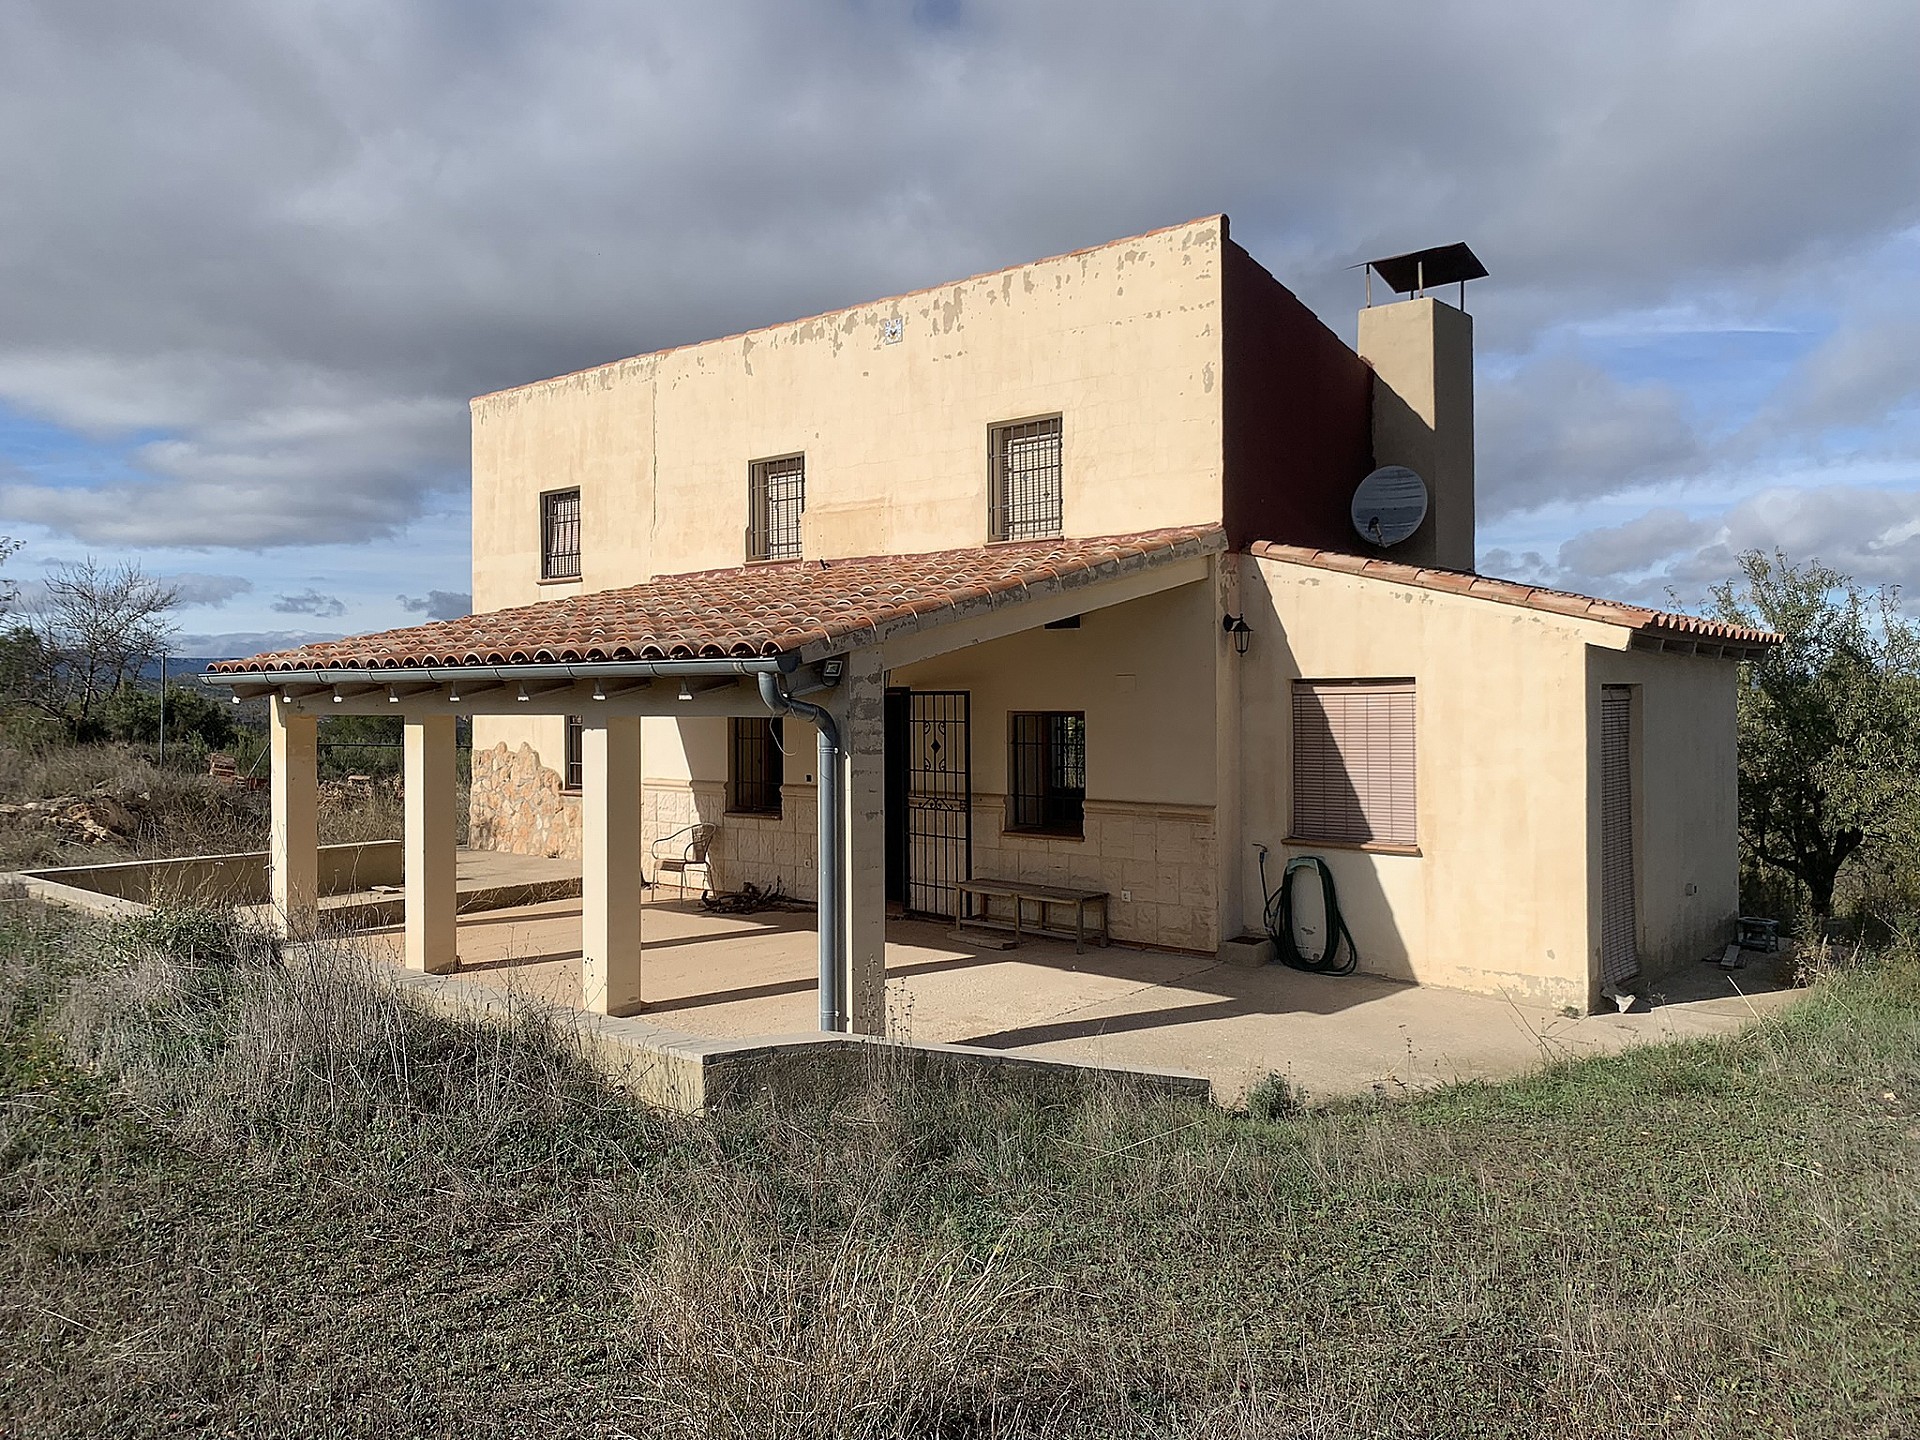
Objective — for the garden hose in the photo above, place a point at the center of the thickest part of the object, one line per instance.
(1279, 918)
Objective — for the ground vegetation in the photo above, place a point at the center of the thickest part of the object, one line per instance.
(246, 1194)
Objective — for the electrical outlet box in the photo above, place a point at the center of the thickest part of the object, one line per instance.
(1126, 894)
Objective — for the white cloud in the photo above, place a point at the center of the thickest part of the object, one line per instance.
(1561, 428)
(438, 604)
(274, 248)
(210, 591)
(309, 602)
(240, 644)
(1667, 556)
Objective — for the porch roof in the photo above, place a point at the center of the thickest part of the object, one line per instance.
(800, 608)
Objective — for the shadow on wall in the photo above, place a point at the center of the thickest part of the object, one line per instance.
(1267, 756)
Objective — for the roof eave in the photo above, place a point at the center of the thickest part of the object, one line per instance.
(785, 663)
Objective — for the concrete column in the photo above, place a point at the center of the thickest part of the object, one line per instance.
(430, 849)
(861, 711)
(610, 864)
(293, 844)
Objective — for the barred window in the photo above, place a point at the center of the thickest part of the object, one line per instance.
(1354, 771)
(560, 535)
(571, 775)
(755, 766)
(776, 499)
(1025, 483)
(1047, 772)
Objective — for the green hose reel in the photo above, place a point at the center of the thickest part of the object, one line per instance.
(1279, 917)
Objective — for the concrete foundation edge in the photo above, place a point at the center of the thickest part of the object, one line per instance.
(674, 1071)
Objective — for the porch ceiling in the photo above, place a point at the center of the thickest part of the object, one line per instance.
(792, 612)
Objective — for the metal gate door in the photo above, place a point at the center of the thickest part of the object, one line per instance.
(1619, 922)
(939, 796)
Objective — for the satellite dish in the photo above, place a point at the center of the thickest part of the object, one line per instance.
(1389, 505)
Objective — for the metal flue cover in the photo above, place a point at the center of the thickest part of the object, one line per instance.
(1389, 505)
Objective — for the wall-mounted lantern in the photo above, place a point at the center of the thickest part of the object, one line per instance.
(1242, 633)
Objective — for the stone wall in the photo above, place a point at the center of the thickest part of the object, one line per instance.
(517, 805)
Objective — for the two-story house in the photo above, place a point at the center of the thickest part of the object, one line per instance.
(1053, 574)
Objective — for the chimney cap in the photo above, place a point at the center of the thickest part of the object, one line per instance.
(1417, 269)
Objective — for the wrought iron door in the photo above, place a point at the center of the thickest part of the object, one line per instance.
(939, 799)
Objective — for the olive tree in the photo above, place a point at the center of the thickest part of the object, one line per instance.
(1829, 720)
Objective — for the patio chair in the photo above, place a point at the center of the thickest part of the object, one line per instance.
(684, 850)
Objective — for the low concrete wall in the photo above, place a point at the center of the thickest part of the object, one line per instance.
(239, 879)
(689, 1073)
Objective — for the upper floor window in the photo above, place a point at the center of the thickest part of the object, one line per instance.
(776, 499)
(1025, 484)
(560, 535)
(1047, 772)
(1354, 773)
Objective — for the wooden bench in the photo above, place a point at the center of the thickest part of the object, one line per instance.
(1044, 898)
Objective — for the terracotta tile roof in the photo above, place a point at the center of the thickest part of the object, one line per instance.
(752, 612)
(1659, 623)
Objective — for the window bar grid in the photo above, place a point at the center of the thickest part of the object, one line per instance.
(560, 535)
(1026, 480)
(1048, 780)
(777, 498)
(758, 767)
(575, 760)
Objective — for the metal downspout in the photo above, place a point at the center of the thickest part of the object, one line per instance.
(832, 886)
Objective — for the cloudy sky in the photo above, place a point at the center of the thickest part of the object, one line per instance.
(255, 257)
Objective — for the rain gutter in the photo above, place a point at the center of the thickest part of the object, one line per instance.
(784, 663)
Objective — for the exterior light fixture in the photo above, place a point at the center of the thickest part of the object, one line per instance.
(338, 698)
(453, 693)
(523, 697)
(599, 691)
(393, 694)
(1242, 633)
(686, 689)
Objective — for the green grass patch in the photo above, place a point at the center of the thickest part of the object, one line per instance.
(242, 1196)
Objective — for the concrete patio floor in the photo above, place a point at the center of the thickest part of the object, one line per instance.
(736, 976)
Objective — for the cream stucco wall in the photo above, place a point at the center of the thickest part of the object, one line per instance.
(1503, 894)
(1144, 673)
(1687, 802)
(1122, 342)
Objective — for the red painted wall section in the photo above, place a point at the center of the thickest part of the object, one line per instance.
(1297, 416)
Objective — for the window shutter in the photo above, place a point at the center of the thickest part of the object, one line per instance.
(1354, 762)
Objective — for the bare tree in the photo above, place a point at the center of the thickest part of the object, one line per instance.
(102, 624)
(9, 592)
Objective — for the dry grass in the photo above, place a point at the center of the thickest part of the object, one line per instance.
(243, 1198)
(178, 812)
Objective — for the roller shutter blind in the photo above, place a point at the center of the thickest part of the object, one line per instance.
(1354, 762)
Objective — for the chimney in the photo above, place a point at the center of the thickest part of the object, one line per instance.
(1421, 352)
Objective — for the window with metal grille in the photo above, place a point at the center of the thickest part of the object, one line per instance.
(560, 535)
(776, 499)
(1354, 762)
(1047, 772)
(1025, 490)
(755, 766)
(570, 776)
